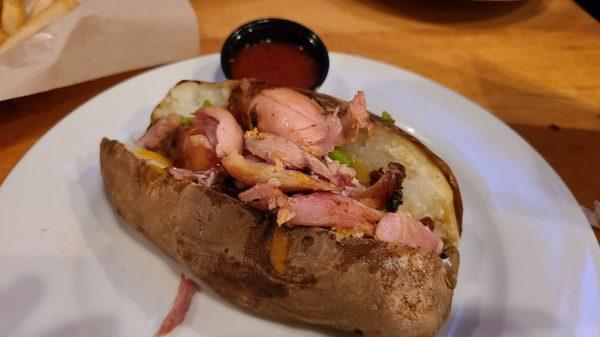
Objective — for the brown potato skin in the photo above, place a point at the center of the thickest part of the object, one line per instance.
(355, 284)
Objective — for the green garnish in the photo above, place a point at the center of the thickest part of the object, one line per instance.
(387, 117)
(206, 103)
(186, 120)
(340, 156)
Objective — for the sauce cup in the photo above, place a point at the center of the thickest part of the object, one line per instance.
(276, 30)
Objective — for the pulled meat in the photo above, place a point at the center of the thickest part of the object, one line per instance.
(355, 118)
(228, 135)
(290, 114)
(335, 211)
(297, 117)
(159, 132)
(319, 209)
(400, 227)
(383, 193)
(239, 102)
(428, 222)
(251, 173)
(211, 134)
(191, 149)
(181, 305)
(208, 178)
(284, 153)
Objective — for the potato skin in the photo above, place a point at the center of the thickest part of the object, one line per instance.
(355, 284)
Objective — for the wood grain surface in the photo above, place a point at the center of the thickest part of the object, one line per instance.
(534, 64)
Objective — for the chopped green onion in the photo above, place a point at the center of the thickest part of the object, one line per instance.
(387, 117)
(207, 103)
(340, 156)
(186, 120)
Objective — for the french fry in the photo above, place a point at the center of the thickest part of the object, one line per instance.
(39, 6)
(13, 15)
(53, 12)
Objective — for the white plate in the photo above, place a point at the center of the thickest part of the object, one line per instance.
(70, 267)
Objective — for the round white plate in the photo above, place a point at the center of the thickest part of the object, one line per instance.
(70, 267)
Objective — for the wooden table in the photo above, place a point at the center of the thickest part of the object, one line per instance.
(534, 64)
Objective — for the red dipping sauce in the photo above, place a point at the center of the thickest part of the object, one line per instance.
(277, 63)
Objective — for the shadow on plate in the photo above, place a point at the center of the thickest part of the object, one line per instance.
(95, 326)
(460, 11)
(477, 321)
(219, 76)
(18, 302)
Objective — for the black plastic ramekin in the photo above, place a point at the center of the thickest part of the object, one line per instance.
(275, 30)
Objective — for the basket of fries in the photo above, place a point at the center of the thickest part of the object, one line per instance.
(47, 44)
(18, 25)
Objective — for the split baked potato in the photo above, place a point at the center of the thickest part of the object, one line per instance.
(297, 273)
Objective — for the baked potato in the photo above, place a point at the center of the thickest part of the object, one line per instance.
(325, 275)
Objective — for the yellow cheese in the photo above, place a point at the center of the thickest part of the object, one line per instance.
(154, 159)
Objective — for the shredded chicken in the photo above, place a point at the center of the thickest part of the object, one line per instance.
(207, 178)
(400, 227)
(228, 133)
(181, 305)
(296, 117)
(159, 131)
(251, 173)
(355, 118)
(278, 150)
(331, 210)
(320, 209)
(192, 149)
(381, 193)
